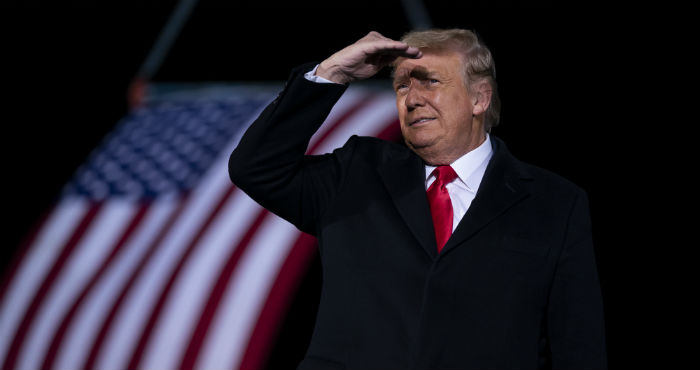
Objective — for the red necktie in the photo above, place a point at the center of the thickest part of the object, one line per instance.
(440, 204)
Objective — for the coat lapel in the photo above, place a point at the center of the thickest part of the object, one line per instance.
(504, 184)
(403, 174)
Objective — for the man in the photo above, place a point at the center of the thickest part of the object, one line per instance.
(443, 253)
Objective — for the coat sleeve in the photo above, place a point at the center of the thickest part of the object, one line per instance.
(575, 314)
(269, 163)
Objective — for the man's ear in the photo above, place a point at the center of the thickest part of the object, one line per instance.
(481, 97)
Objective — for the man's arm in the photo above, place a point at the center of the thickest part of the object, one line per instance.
(269, 163)
(575, 315)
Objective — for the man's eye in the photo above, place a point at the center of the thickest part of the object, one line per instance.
(434, 81)
(401, 87)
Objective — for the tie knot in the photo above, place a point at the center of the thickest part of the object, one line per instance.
(444, 174)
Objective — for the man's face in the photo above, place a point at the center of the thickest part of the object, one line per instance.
(435, 108)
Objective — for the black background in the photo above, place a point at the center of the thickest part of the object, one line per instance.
(574, 80)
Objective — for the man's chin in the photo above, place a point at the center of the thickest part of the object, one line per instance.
(421, 144)
(425, 149)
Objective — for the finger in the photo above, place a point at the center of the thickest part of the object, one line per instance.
(377, 35)
(395, 48)
(412, 52)
(409, 52)
(381, 60)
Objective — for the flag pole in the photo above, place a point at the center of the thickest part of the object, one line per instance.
(166, 38)
(416, 14)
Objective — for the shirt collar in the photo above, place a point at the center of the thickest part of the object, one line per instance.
(466, 165)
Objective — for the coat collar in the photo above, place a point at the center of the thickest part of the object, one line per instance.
(504, 184)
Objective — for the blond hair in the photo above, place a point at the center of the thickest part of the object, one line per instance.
(479, 64)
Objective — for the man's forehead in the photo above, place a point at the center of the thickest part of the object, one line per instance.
(407, 68)
(417, 69)
(430, 63)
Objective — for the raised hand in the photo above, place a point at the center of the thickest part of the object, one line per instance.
(364, 58)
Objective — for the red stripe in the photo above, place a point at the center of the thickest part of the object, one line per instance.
(40, 294)
(96, 347)
(277, 303)
(391, 132)
(348, 113)
(209, 312)
(68, 316)
(18, 258)
(165, 292)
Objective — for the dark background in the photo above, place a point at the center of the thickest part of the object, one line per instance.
(574, 80)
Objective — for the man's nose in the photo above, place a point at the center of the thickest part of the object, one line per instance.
(414, 96)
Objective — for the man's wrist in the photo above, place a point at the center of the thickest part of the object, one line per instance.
(332, 73)
(313, 77)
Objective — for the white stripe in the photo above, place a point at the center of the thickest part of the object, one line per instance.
(140, 300)
(191, 291)
(351, 97)
(364, 122)
(38, 260)
(238, 311)
(89, 317)
(80, 265)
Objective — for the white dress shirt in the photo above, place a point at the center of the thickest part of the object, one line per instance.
(470, 170)
(311, 76)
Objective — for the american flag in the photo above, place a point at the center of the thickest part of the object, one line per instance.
(151, 258)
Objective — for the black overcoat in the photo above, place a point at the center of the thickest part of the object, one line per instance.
(515, 286)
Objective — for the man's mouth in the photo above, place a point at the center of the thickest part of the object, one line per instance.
(420, 121)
